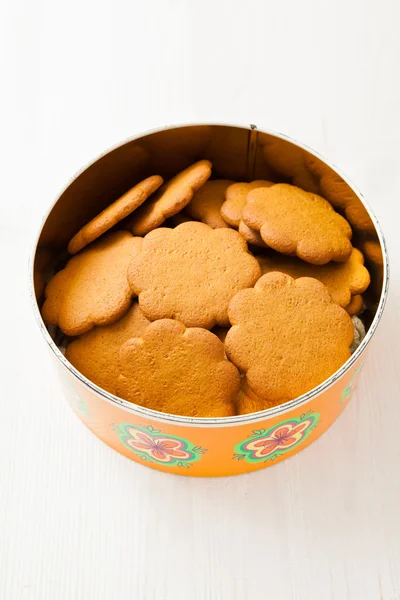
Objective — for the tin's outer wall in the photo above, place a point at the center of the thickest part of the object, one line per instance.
(208, 451)
(236, 153)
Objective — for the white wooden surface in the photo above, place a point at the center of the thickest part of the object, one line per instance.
(77, 521)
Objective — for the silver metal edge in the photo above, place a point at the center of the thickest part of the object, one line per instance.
(222, 421)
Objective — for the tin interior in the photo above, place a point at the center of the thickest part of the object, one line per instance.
(237, 153)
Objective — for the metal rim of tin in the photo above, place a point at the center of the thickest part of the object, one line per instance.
(221, 421)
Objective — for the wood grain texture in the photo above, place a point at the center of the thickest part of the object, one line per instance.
(78, 521)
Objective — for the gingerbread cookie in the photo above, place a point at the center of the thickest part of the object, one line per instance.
(252, 236)
(340, 194)
(171, 198)
(356, 305)
(287, 336)
(236, 198)
(114, 213)
(92, 289)
(178, 371)
(373, 252)
(191, 273)
(95, 353)
(293, 221)
(343, 280)
(207, 201)
(248, 402)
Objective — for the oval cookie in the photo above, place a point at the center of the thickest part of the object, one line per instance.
(191, 273)
(207, 201)
(178, 371)
(287, 336)
(293, 221)
(92, 289)
(343, 280)
(171, 198)
(114, 213)
(95, 353)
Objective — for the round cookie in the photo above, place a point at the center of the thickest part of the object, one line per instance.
(171, 198)
(95, 353)
(92, 289)
(293, 221)
(207, 201)
(343, 280)
(178, 371)
(287, 336)
(248, 402)
(191, 273)
(251, 235)
(356, 305)
(114, 213)
(236, 198)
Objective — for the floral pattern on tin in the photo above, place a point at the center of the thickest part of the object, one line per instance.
(153, 446)
(348, 390)
(77, 402)
(267, 444)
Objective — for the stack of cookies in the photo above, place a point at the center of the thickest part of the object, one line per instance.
(210, 298)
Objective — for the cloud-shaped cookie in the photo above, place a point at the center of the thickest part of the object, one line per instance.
(191, 273)
(236, 198)
(92, 289)
(178, 371)
(207, 201)
(293, 221)
(287, 336)
(343, 280)
(248, 402)
(95, 353)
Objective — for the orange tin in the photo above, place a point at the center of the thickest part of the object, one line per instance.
(192, 446)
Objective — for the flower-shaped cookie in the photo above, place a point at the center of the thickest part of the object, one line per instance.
(287, 336)
(191, 273)
(95, 353)
(236, 198)
(92, 289)
(178, 371)
(248, 402)
(207, 201)
(293, 221)
(343, 280)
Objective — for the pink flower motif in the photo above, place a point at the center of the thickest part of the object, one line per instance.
(161, 448)
(265, 445)
(281, 438)
(152, 445)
